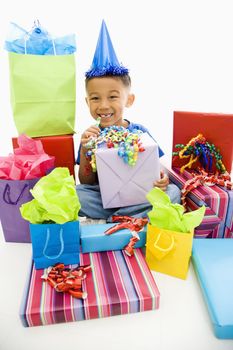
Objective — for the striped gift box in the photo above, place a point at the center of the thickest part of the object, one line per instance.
(228, 232)
(214, 197)
(210, 226)
(117, 284)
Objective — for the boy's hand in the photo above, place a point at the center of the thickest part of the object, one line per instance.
(92, 132)
(163, 182)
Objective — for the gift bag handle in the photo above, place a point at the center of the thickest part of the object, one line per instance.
(47, 242)
(6, 195)
(164, 249)
(26, 37)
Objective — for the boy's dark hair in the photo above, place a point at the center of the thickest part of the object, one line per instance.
(126, 80)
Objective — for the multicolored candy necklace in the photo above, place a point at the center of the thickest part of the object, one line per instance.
(128, 144)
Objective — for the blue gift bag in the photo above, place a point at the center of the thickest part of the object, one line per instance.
(55, 243)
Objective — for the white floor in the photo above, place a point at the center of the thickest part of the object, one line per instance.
(182, 322)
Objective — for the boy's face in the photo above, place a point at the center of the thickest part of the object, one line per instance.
(107, 97)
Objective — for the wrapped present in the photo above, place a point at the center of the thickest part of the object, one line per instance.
(94, 239)
(213, 260)
(61, 147)
(213, 197)
(129, 184)
(228, 233)
(228, 229)
(216, 128)
(117, 284)
(210, 225)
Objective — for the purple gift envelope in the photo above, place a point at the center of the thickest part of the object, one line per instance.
(121, 184)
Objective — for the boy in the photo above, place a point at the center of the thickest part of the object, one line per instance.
(108, 94)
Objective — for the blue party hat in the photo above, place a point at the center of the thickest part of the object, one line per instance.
(105, 61)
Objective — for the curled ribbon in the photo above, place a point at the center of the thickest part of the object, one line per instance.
(67, 280)
(135, 225)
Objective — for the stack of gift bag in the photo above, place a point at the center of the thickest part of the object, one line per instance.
(43, 97)
(79, 271)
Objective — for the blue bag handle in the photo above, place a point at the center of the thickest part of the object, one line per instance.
(46, 245)
(6, 195)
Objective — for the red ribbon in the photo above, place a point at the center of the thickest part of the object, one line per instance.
(67, 280)
(128, 222)
(203, 178)
(129, 248)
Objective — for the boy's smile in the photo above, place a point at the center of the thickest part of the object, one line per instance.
(107, 97)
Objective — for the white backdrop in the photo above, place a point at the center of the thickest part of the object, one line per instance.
(180, 57)
(179, 53)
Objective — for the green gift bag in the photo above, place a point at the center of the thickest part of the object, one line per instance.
(43, 93)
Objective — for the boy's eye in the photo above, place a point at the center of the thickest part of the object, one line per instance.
(113, 96)
(94, 98)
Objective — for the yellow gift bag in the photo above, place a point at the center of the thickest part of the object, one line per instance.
(168, 251)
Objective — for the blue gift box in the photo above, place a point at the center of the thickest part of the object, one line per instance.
(213, 261)
(93, 238)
